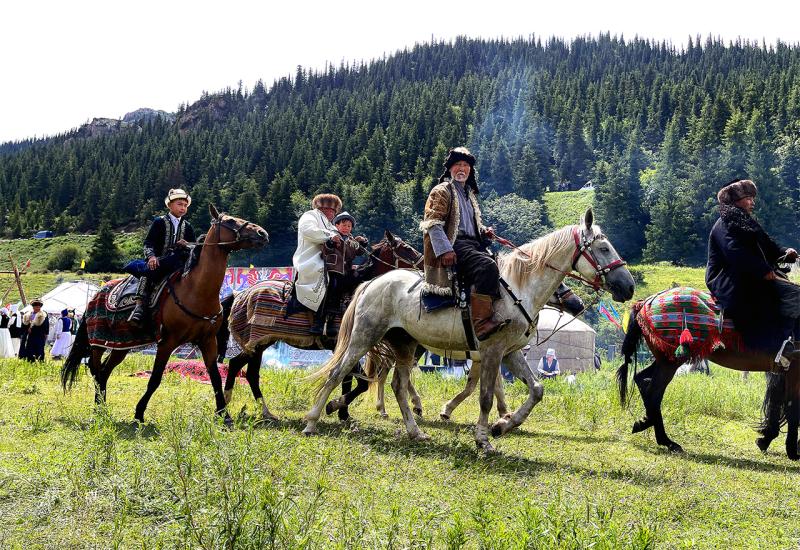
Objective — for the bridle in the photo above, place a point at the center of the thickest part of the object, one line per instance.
(583, 249)
(393, 246)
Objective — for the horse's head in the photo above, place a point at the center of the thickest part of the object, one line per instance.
(566, 300)
(393, 253)
(232, 233)
(598, 262)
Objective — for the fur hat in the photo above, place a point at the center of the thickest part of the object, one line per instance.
(737, 190)
(175, 194)
(327, 200)
(453, 156)
(344, 216)
(37, 302)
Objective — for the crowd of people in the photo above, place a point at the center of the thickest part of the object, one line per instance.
(24, 335)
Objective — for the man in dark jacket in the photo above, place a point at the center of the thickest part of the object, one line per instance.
(743, 277)
(165, 247)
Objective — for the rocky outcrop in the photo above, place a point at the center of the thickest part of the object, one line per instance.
(205, 113)
(101, 127)
(145, 115)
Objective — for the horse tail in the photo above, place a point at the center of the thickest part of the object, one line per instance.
(343, 341)
(773, 410)
(80, 350)
(629, 346)
(224, 332)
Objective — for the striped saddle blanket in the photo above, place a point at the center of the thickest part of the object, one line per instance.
(665, 315)
(259, 316)
(108, 326)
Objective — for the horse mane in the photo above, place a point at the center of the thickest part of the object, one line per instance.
(518, 265)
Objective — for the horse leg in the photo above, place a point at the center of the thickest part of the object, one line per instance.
(101, 378)
(159, 364)
(95, 367)
(400, 382)
(664, 376)
(500, 395)
(380, 403)
(209, 350)
(416, 400)
(644, 380)
(235, 365)
(772, 410)
(490, 370)
(341, 403)
(792, 410)
(472, 381)
(519, 367)
(253, 379)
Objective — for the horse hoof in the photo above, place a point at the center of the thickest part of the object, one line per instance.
(675, 448)
(445, 417)
(270, 418)
(228, 422)
(420, 436)
(418, 411)
(641, 425)
(334, 405)
(497, 430)
(383, 414)
(309, 431)
(763, 444)
(791, 452)
(486, 447)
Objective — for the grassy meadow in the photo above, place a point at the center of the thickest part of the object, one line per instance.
(572, 477)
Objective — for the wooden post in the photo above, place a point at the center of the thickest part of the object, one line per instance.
(19, 281)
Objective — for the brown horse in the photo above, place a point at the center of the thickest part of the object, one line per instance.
(653, 381)
(189, 311)
(388, 254)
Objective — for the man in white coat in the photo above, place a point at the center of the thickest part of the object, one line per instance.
(313, 230)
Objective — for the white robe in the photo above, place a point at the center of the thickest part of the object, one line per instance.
(313, 230)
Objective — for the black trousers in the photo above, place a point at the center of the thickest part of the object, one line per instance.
(770, 319)
(476, 266)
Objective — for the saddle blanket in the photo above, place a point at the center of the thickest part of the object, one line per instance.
(663, 317)
(108, 327)
(259, 315)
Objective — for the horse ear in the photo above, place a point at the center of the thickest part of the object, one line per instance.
(389, 236)
(213, 211)
(588, 218)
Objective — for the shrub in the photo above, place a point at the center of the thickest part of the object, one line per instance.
(64, 258)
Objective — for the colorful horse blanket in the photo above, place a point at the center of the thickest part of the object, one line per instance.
(108, 326)
(259, 316)
(663, 317)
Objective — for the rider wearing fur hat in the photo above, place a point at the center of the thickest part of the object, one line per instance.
(454, 235)
(314, 229)
(165, 248)
(742, 273)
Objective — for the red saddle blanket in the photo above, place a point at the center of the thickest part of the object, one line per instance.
(109, 328)
(663, 317)
(258, 315)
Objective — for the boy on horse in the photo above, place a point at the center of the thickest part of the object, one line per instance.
(166, 248)
(455, 236)
(342, 278)
(314, 229)
(742, 274)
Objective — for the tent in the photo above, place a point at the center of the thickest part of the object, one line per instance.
(74, 295)
(573, 341)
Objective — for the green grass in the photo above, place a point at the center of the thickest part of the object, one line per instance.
(39, 251)
(566, 207)
(572, 477)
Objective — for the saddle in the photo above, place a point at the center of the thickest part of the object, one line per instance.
(123, 296)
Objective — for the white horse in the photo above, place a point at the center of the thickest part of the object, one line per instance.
(385, 315)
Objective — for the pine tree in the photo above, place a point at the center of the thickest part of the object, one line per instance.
(105, 255)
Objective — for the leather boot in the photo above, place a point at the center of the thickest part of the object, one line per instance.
(139, 314)
(318, 325)
(483, 316)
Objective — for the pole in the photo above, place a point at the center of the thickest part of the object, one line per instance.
(19, 281)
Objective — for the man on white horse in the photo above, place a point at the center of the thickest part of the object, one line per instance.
(455, 236)
(313, 230)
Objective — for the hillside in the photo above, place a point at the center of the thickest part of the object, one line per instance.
(567, 207)
(539, 114)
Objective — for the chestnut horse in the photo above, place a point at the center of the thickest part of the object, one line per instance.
(189, 311)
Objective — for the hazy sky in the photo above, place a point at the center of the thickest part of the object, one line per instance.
(65, 62)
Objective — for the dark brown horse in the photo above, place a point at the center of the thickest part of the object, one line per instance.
(189, 312)
(388, 254)
(782, 402)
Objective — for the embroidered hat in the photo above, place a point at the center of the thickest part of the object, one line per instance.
(175, 194)
(37, 302)
(344, 216)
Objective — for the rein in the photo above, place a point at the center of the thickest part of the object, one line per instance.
(210, 318)
(220, 223)
(583, 248)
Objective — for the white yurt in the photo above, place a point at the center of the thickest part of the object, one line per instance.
(573, 341)
(71, 295)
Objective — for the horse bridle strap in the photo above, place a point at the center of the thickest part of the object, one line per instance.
(583, 249)
(220, 223)
(518, 303)
(210, 318)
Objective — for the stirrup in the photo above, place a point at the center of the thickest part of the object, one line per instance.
(784, 357)
(138, 315)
